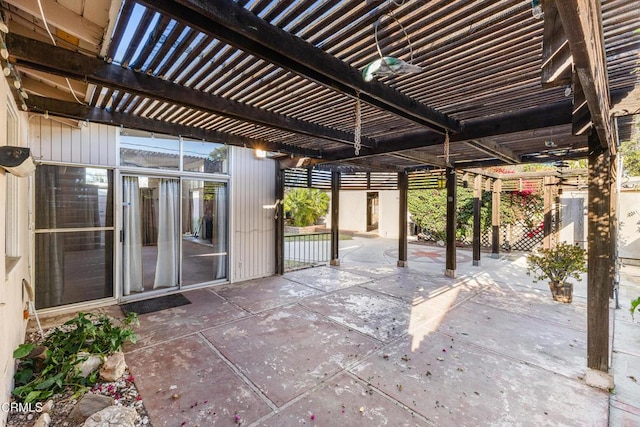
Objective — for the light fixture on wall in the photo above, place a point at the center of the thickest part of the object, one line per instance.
(17, 160)
(261, 154)
(274, 207)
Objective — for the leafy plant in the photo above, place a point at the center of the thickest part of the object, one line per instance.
(305, 205)
(557, 264)
(634, 306)
(84, 334)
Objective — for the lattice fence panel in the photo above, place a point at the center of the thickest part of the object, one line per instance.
(520, 236)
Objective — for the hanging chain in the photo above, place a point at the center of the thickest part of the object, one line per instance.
(357, 144)
(446, 147)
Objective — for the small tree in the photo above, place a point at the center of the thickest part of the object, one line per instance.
(557, 264)
(305, 205)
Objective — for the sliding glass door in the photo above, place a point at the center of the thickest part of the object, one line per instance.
(174, 233)
(204, 231)
(150, 233)
(73, 235)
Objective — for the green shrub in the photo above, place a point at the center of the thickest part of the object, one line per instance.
(557, 264)
(85, 333)
(303, 206)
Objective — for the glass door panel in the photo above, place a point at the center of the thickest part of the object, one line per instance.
(204, 231)
(74, 235)
(150, 233)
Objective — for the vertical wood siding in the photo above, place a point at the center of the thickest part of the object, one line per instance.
(58, 142)
(252, 227)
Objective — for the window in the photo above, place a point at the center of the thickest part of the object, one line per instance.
(144, 150)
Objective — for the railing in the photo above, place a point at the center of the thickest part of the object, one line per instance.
(306, 250)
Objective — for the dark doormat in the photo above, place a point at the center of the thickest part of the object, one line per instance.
(155, 304)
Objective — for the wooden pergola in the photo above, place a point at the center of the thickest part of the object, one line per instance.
(498, 86)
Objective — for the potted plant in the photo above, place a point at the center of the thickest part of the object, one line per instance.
(557, 265)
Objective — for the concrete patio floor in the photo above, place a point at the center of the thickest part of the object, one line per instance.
(370, 344)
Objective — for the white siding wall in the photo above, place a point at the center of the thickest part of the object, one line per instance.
(58, 142)
(12, 324)
(252, 228)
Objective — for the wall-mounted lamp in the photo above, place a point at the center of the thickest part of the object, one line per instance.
(261, 154)
(17, 160)
(275, 207)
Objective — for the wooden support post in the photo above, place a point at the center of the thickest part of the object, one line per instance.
(335, 215)
(495, 219)
(279, 219)
(477, 204)
(599, 258)
(613, 221)
(547, 191)
(403, 188)
(450, 270)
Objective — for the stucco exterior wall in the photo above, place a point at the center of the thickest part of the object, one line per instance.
(629, 223)
(12, 298)
(389, 210)
(353, 210)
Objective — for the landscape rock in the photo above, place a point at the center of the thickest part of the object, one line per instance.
(86, 367)
(116, 416)
(43, 421)
(88, 405)
(113, 368)
(48, 406)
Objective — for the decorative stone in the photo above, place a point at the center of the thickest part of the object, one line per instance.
(116, 416)
(113, 368)
(48, 406)
(91, 364)
(43, 421)
(88, 405)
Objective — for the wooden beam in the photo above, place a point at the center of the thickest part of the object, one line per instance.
(237, 26)
(501, 124)
(36, 87)
(335, 218)
(626, 103)
(82, 112)
(452, 221)
(375, 165)
(580, 116)
(60, 82)
(422, 158)
(43, 57)
(599, 257)
(403, 189)
(494, 149)
(582, 23)
(62, 18)
(556, 55)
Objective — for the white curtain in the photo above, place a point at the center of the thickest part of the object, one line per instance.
(220, 232)
(132, 249)
(168, 232)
